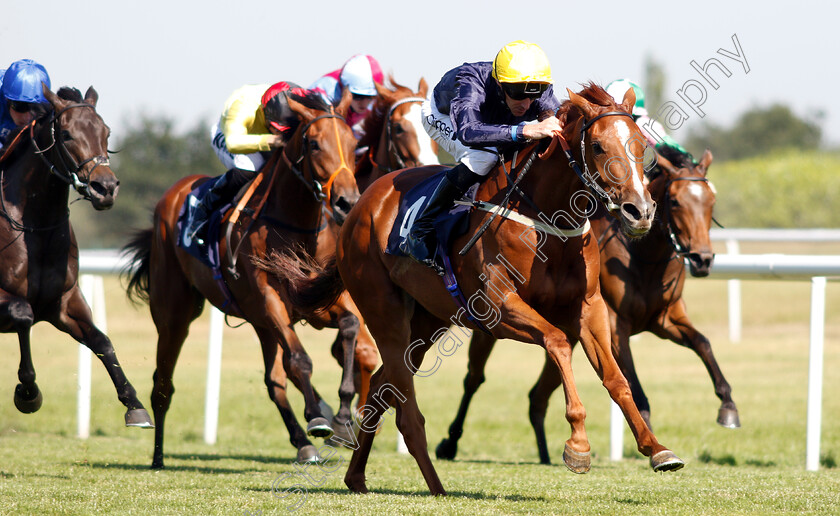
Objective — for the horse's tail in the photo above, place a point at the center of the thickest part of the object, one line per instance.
(137, 270)
(311, 287)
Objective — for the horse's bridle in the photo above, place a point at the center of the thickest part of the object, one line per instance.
(586, 177)
(678, 248)
(68, 171)
(321, 193)
(392, 150)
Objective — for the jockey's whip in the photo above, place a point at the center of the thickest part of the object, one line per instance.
(502, 207)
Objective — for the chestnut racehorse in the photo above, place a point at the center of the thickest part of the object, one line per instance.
(537, 286)
(39, 256)
(642, 283)
(299, 185)
(394, 135)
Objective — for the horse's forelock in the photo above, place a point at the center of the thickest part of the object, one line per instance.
(569, 114)
(69, 93)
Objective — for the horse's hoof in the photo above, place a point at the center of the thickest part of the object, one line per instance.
(447, 449)
(577, 462)
(356, 484)
(139, 418)
(326, 411)
(308, 455)
(666, 460)
(728, 418)
(28, 401)
(319, 427)
(343, 434)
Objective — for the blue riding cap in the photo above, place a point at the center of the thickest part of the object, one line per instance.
(22, 82)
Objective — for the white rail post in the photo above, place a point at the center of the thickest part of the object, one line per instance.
(734, 290)
(214, 375)
(815, 374)
(616, 432)
(93, 291)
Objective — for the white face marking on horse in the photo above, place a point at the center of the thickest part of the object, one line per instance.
(697, 190)
(427, 155)
(623, 131)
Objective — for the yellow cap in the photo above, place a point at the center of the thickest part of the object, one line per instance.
(521, 61)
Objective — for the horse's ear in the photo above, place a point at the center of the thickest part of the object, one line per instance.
(705, 161)
(57, 102)
(304, 113)
(666, 165)
(91, 96)
(343, 107)
(385, 93)
(629, 101)
(423, 88)
(589, 110)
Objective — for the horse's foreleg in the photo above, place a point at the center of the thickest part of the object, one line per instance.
(76, 320)
(481, 346)
(348, 331)
(275, 382)
(677, 327)
(366, 361)
(521, 322)
(297, 362)
(595, 338)
(17, 315)
(624, 356)
(539, 395)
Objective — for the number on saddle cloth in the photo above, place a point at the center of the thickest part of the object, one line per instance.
(448, 226)
(209, 255)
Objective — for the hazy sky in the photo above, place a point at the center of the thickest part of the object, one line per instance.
(182, 59)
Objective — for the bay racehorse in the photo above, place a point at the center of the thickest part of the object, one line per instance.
(527, 280)
(642, 282)
(298, 186)
(39, 256)
(394, 134)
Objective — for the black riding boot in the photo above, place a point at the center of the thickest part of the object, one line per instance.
(226, 186)
(421, 242)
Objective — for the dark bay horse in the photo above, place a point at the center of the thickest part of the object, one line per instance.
(394, 135)
(303, 181)
(39, 256)
(642, 282)
(533, 285)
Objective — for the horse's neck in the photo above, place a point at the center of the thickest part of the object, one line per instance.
(29, 187)
(291, 202)
(550, 184)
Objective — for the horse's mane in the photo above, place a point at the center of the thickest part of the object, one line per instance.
(569, 114)
(372, 124)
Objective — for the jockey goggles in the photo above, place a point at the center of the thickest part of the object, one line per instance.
(21, 107)
(524, 90)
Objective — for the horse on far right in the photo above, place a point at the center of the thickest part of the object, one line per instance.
(642, 282)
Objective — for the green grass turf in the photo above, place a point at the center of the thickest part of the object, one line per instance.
(758, 469)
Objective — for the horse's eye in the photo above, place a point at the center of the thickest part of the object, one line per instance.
(313, 145)
(596, 148)
(65, 135)
(398, 130)
(675, 203)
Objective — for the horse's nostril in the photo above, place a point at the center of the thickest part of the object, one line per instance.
(630, 211)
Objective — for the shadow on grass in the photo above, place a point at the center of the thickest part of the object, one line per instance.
(190, 469)
(729, 460)
(216, 456)
(398, 492)
(497, 462)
